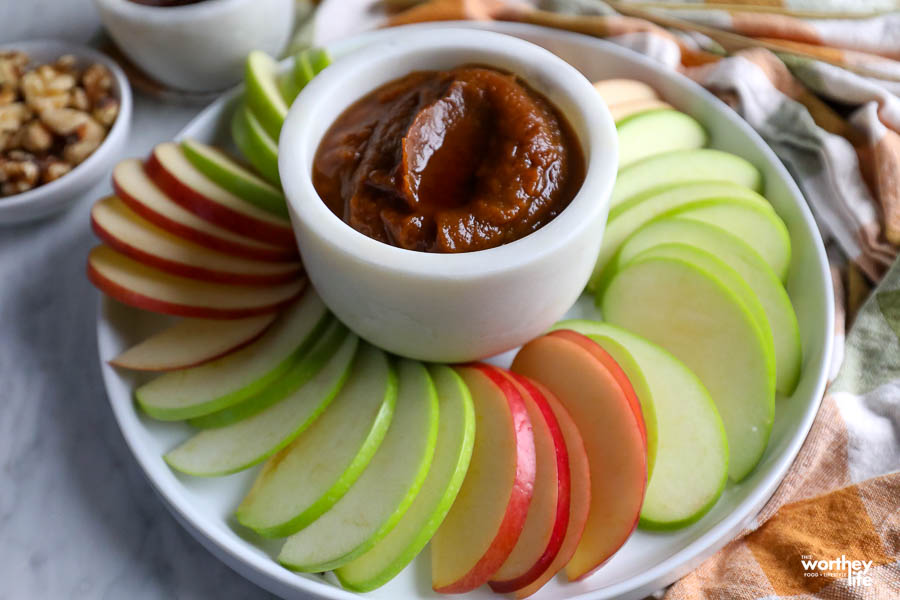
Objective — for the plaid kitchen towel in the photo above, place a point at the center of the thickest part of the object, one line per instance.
(820, 82)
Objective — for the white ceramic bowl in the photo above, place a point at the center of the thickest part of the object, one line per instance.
(197, 47)
(448, 307)
(57, 195)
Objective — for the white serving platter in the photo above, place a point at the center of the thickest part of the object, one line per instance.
(649, 560)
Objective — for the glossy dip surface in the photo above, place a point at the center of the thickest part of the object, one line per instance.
(449, 161)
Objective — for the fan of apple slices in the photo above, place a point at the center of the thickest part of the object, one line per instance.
(594, 430)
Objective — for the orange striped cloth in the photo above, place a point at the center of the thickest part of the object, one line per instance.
(822, 89)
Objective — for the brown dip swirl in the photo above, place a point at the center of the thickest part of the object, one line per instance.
(449, 161)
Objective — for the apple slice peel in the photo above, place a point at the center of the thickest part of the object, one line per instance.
(171, 170)
(579, 494)
(305, 479)
(487, 518)
(548, 516)
(232, 448)
(124, 230)
(132, 184)
(192, 342)
(456, 436)
(138, 285)
(583, 377)
(237, 376)
(384, 491)
(693, 458)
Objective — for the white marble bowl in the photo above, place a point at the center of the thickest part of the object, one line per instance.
(57, 195)
(197, 47)
(435, 306)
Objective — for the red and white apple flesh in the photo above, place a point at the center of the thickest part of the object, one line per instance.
(144, 197)
(600, 399)
(548, 516)
(579, 493)
(485, 522)
(124, 230)
(240, 375)
(138, 285)
(192, 342)
(185, 184)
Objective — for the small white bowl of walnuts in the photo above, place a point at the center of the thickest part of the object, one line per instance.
(65, 112)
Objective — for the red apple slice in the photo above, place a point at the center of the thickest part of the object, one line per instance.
(171, 170)
(614, 369)
(597, 394)
(129, 233)
(138, 285)
(485, 522)
(192, 342)
(144, 197)
(579, 496)
(548, 516)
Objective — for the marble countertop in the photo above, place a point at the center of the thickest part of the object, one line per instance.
(77, 517)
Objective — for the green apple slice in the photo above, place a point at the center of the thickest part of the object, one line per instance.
(760, 227)
(629, 217)
(234, 177)
(456, 436)
(262, 93)
(749, 265)
(307, 478)
(307, 64)
(730, 279)
(237, 376)
(686, 310)
(655, 132)
(255, 144)
(682, 166)
(324, 342)
(385, 490)
(236, 447)
(692, 461)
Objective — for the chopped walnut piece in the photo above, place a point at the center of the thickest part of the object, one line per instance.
(97, 81)
(12, 116)
(12, 65)
(106, 110)
(78, 99)
(36, 137)
(45, 89)
(8, 94)
(54, 169)
(64, 121)
(67, 63)
(17, 175)
(89, 135)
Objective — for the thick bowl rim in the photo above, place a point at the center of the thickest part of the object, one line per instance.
(165, 14)
(598, 139)
(95, 160)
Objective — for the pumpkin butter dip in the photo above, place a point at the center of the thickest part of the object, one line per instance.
(449, 161)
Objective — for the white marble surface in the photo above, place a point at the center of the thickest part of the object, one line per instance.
(77, 517)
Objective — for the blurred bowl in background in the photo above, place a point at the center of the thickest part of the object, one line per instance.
(197, 47)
